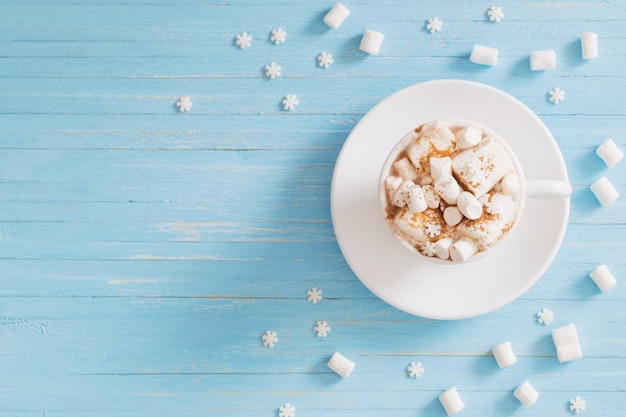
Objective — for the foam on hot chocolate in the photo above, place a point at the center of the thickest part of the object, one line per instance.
(453, 187)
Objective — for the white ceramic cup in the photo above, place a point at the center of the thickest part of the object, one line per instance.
(528, 189)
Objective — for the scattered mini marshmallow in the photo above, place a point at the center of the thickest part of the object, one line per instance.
(290, 102)
(463, 249)
(610, 153)
(371, 42)
(452, 215)
(440, 167)
(416, 202)
(405, 169)
(469, 205)
(451, 401)
(468, 137)
(504, 354)
(542, 60)
(556, 95)
(392, 184)
(434, 24)
(432, 198)
(335, 17)
(566, 342)
(184, 104)
(604, 191)
(603, 278)
(484, 55)
(526, 394)
(325, 60)
(341, 365)
(589, 45)
(447, 188)
(278, 36)
(401, 197)
(442, 247)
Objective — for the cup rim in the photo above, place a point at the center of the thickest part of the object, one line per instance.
(402, 144)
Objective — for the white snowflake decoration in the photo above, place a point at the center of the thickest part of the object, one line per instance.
(314, 295)
(434, 24)
(325, 60)
(272, 70)
(269, 338)
(495, 13)
(184, 104)
(577, 405)
(545, 316)
(415, 369)
(432, 229)
(243, 40)
(290, 102)
(428, 249)
(287, 410)
(278, 36)
(557, 95)
(321, 328)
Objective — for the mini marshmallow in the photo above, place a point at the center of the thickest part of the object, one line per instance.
(463, 249)
(589, 45)
(603, 278)
(469, 205)
(432, 198)
(542, 60)
(447, 188)
(401, 197)
(405, 169)
(392, 184)
(610, 153)
(371, 42)
(604, 191)
(504, 354)
(335, 17)
(468, 137)
(440, 167)
(451, 401)
(426, 180)
(566, 342)
(510, 185)
(416, 202)
(526, 394)
(484, 55)
(452, 215)
(341, 365)
(442, 247)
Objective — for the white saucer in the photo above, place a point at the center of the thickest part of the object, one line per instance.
(415, 285)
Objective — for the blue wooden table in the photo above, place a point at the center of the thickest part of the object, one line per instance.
(144, 251)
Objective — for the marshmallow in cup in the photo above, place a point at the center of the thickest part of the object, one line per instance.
(477, 181)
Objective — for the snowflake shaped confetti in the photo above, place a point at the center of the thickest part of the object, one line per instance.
(314, 295)
(325, 60)
(415, 369)
(184, 104)
(545, 316)
(556, 95)
(269, 338)
(432, 229)
(272, 70)
(278, 36)
(287, 410)
(428, 249)
(577, 405)
(290, 102)
(243, 40)
(321, 328)
(434, 24)
(495, 14)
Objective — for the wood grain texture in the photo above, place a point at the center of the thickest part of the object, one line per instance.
(143, 252)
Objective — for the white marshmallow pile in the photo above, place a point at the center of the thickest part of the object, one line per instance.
(504, 354)
(566, 342)
(526, 394)
(542, 60)
(451, 401)
(371, 42)
(484, 55)
(341, 365)
(604, 191)
(610, 153)
(603, 278)
(335, 17)
(589, 45)
(457, 193)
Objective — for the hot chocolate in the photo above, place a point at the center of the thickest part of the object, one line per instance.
(452, 189)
